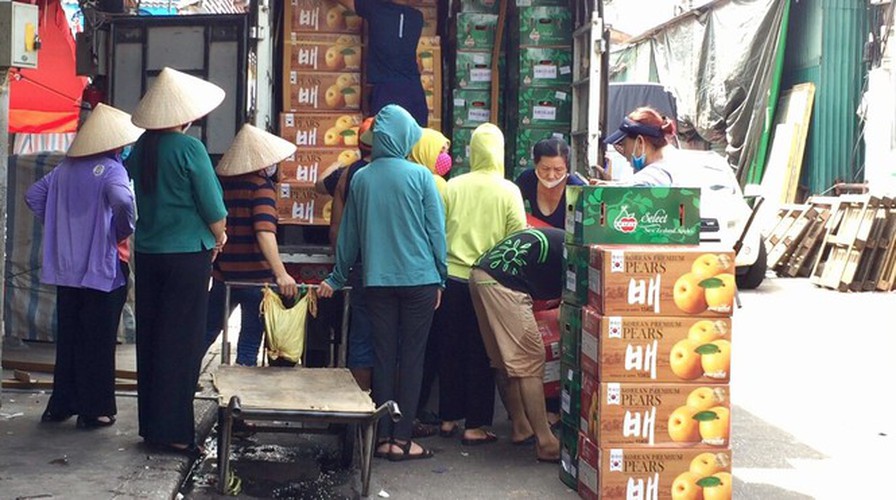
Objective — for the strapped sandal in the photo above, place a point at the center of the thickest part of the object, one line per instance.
(406, 453)
(383, 454)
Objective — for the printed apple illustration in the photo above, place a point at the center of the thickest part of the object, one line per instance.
(705, 464)
(352, 57)
(351, 96)
(685, 487)
(335, 17)
(332, 137)
(682, 426)
(720, 290)
(333, 97)
(688, 295)
(684, 360)
(717, 486)
(333, 57)
(702, 398)
(715, 358)
(350, 136)
(705, 331)
(713, 425)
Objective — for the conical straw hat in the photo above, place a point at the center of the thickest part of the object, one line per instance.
(106, 128)
(252, 150)
(176, 98)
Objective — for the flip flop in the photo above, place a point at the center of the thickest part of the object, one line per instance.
(526, 442)
(406, 453)
(489, 438)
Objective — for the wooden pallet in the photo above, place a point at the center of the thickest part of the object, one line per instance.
(886, 279)
(781, 252)
(834, 256)
(875, 247)
(802, 257)
(787, 216)
(856, 249)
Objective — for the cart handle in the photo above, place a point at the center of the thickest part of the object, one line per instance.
(391, 407)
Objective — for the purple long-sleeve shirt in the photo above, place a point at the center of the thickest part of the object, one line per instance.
(87, 207)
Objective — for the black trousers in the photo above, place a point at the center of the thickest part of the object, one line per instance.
(172, 304)
(401, 317)
(87, 324)
(466, 378)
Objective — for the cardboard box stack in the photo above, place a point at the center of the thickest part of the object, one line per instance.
(649, 312)
(544, 98)
(322, 96)
(471, 98)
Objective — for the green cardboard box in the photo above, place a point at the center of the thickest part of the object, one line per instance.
(546, 26)
(460, 150)
(484, 6)
(526, 138)
(545, 67)
(471, 108)
(474, 70)
(575, 287)
(570, 333)
(632, 215)
(476, 31)
(542, 107)
(570, 394)
(569, 456)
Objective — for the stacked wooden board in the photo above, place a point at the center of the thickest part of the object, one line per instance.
(845, 243)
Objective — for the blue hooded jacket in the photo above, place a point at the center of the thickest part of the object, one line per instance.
(393, 216)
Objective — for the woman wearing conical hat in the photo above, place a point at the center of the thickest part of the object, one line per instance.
(180, 230)
(252, 254)
(87, 209)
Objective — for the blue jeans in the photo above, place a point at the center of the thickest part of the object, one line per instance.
(360, 333)
(251, 327)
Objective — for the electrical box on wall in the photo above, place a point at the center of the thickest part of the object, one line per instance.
(19, 40)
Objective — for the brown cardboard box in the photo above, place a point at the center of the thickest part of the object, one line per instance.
(656, 349)
(322, 52)
(321, 129)
(301, 205)
(432, 88)
(321, 91)
(308, 164)
(662, 280)
(663, 415)
(549, 328)
(429, 55)
(653, 473)
(328, 16)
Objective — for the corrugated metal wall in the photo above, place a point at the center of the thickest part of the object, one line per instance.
(825, 47)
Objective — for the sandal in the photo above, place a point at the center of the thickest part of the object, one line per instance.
(406, 452)
(94, 422)
(423, 431)
(525, 442)
(489, 438)
(448, 434)
(383, 454)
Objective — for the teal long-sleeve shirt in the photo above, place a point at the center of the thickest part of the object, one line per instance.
(394, 219)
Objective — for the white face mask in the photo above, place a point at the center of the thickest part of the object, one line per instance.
(186, 127)
(270, 171)
(551, 184)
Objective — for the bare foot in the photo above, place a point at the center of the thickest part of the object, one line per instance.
(548, 452)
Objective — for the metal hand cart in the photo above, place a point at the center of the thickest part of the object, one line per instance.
(307, 395)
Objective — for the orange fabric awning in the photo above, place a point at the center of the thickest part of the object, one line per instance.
(48, 99)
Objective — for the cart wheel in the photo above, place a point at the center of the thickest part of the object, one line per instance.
(347, 439)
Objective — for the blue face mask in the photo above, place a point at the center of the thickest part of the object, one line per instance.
(125, 152)
(639, 162)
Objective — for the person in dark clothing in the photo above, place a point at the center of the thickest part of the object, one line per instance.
(544, 187)
(393, 33)
(525, 266)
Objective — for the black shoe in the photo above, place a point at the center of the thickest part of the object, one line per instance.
(49, 416)
(94, 422)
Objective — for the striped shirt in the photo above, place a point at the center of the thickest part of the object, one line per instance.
(251, 208)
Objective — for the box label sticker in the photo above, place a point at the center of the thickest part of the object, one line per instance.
(614, 327)
(565, 70)
(617, 261)
(478, 115)
(545, 113)
(614, 394)
(571, 281)
(481, 75)
(589, 347)
(617, 458)
(544, 72)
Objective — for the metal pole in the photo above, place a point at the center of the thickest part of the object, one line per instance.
(225, 345)
(4, 165)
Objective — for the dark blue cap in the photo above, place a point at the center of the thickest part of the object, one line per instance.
(631, 128)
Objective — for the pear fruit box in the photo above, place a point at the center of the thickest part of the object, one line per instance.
(545, 26)
(321, 16)
(656, 349)
(662, 280)
(471, 108)
(476, 31)
(429, 55)
(314, 130)
(570, 394)
(473, 70)
(549, 107)
(615, 414)
(576, 260)
(302, 205)
(549, 329)
(545, 67)
(323, 52)
(632, 215)
(306, 165)
(569, 455)
(313, 91)
(652, 473)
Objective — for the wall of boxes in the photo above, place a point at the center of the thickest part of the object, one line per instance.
(646, 334)
(324, 96)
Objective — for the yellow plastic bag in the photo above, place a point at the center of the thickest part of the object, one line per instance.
(284, 329)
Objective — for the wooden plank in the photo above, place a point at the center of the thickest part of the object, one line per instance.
(802, 258)
(886, 250)
(782, 251)
(856, 248)
(824, 250)
(314, 389)
(838, 244)
(41, 357)
(873, 251)
(47, 385)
